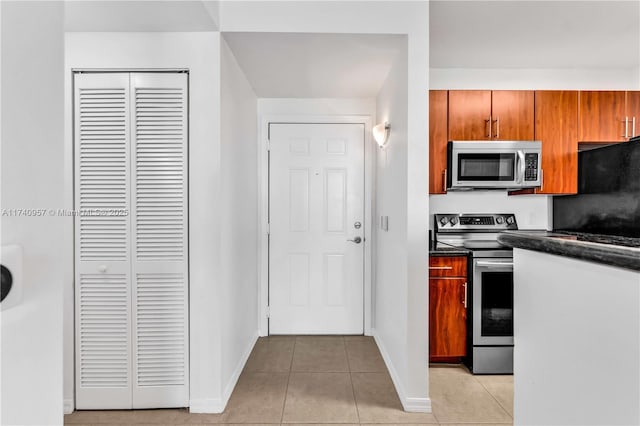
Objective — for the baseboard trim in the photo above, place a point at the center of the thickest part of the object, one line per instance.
(415, 405)
(233, 380)
(68, 406)
(206, 405)
(217, 405)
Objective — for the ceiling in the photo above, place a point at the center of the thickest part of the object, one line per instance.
(508, 34)
(297, 65)
(535, 34)
(140, 15)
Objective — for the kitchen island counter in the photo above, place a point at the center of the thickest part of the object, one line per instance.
(576, 313)
(617, 251)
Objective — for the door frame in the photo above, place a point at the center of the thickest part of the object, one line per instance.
(263, 210)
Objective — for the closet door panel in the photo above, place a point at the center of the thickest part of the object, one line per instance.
(160, 267)
(102, 239)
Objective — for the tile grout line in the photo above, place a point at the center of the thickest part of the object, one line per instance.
(286, 389)
(353, 390)
(492, 396)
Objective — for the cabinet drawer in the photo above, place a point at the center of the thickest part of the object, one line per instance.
(448, 266)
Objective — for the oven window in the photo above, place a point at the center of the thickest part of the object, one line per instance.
(486, 167)
(497, 304)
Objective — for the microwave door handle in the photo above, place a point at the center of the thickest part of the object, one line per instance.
(521, 166)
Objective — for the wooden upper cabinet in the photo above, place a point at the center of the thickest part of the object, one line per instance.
(512, 115)
(601, 116)
(633, 113)
(490, 115)
(437, 141)
(556, 126)
(469, 113)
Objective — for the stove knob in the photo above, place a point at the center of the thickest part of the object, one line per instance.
(500, 220)
(454, 221)
(444, 220)
(510, 220)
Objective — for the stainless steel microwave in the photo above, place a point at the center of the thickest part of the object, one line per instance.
(494, 164)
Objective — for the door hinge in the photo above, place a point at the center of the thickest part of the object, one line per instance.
(268, 144)
(268, 311)
(268, 229)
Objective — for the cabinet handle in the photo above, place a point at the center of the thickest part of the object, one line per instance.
(497, 128)
(489, 126)
(626, 128)
(541, 180)
(441, 267)
(465, 295)
(444, 180)
(633, 127)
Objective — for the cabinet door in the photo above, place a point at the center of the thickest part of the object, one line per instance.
(633, 113)
(512, 115)
(557, 128)
(437, 141)
(601, 116)
(447, 317)
(469, 114)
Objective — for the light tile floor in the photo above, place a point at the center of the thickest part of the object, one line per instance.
(331, 379)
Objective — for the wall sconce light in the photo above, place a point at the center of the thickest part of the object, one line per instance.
(381, 133)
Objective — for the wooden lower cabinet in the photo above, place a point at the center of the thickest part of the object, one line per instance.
(447, 309)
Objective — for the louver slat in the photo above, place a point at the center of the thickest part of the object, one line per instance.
(160, 330)
(102, 171)
(160, 173)
(104, 345)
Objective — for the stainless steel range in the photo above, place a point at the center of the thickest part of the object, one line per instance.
(490, 347)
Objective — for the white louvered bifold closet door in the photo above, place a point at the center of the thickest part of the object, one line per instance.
(131, 240)
(159, 213)
(102, 241)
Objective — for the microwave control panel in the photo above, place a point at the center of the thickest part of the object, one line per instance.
(531, 167)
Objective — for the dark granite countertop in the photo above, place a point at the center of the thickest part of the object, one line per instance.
(610, 250)
(441, 249)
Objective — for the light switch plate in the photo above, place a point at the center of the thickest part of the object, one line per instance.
(384, 223)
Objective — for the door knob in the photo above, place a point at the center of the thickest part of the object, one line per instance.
(356, 240)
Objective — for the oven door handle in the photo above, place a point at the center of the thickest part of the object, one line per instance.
(494, 264)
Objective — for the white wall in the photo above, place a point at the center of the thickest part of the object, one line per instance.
(199, 52)
(577, 342)
(391, 200)
(532, 211)
(400, 295)
(534, 79)
(239, 219)
(32, 178)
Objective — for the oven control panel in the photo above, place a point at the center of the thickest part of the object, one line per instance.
(475, 222)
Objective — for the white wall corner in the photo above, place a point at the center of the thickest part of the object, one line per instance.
(233, 380)
(68, 406)
(415, 405)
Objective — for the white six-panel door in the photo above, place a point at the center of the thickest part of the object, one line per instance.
(131, 240)
(316, 206)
